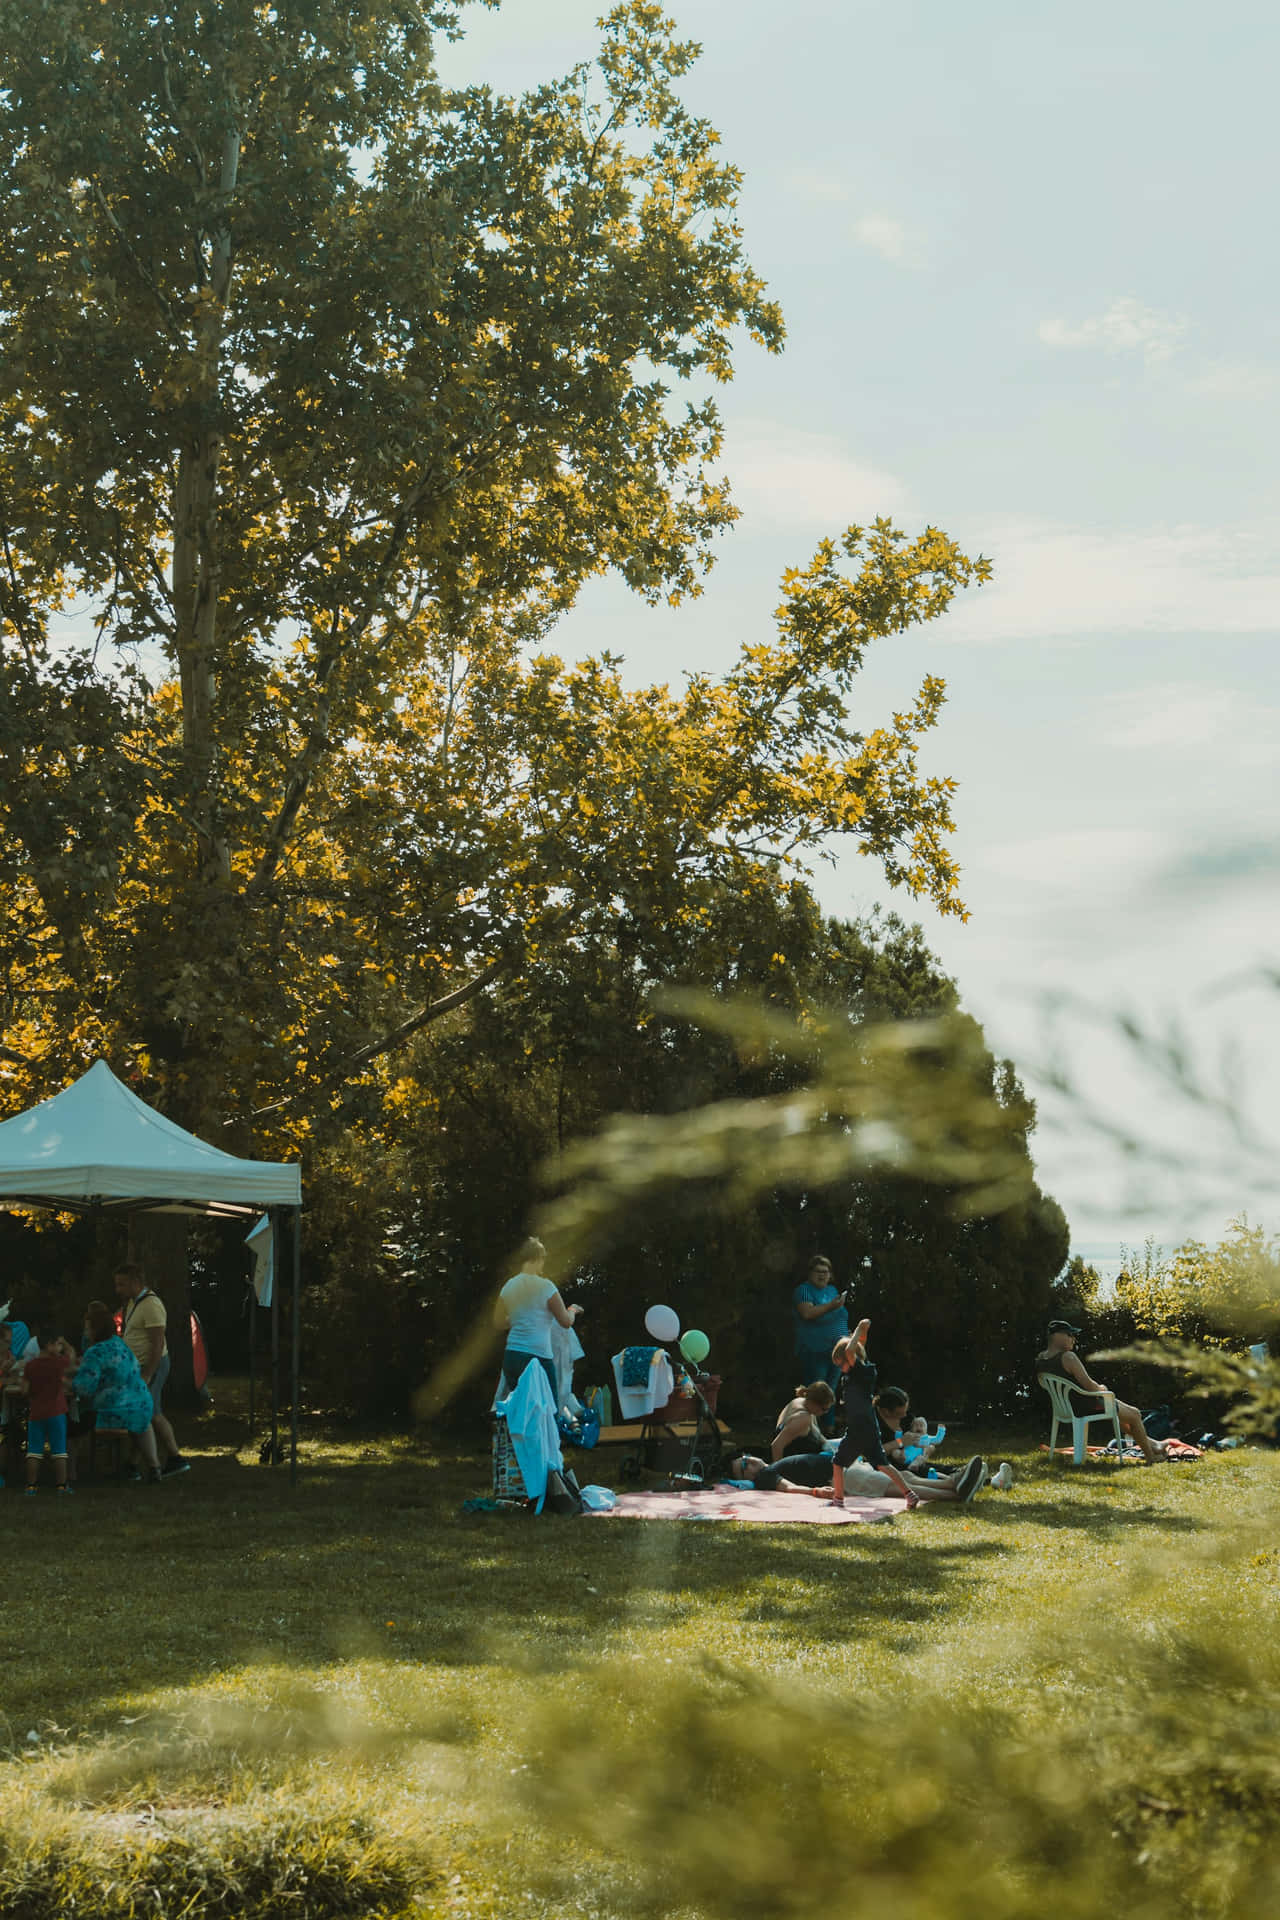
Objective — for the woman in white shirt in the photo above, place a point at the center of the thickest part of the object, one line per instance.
(527, 1307)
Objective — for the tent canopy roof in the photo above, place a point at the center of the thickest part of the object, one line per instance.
(96, 1143)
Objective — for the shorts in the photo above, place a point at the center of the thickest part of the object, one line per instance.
(50, 1433)
(155, 1385)
(868, 1483)
(514, 1364)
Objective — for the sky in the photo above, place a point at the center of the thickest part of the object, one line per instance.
(1026, 262)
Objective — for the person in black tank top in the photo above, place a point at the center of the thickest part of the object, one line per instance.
(1060, 1357)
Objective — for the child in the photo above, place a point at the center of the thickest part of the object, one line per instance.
(47, 1413)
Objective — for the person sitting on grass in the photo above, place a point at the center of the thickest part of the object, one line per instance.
(863, 1440)
(903, 1437)
(109, 1378)
(1060, 1357)
(814, 1474)
(798, 1430)
(45, 1378)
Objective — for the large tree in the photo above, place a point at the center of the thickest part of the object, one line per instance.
(324, 390)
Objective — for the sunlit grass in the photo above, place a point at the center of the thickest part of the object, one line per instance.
(357, 1692)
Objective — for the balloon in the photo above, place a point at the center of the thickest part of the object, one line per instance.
(662, 1324)
(695, 1346)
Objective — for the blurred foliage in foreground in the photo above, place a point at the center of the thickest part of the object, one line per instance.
(1138, 1775)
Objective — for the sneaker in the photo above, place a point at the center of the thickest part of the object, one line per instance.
(154, 1477)
(64, 1489)
(1003, 1477)
(175, 1464)
(28, 1493)
(971, 1478)
(132, 1475)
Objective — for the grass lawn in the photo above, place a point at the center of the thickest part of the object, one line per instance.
(357, 1699)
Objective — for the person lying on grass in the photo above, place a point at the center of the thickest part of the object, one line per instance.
(818, 1475)
(1060, 1357)
(902, 1437)
(798, 1430)
(863, 1438)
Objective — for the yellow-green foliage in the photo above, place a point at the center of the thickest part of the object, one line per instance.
(1232, 1288)
(264, 1863)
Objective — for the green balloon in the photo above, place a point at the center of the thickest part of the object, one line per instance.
(695, 1346)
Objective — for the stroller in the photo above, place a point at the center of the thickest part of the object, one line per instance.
(692, 1458)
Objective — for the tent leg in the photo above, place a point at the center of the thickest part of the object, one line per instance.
(253, 1327)
(277, 1269)
(295, 1346)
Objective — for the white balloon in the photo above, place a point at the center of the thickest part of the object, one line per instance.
(662, 1323)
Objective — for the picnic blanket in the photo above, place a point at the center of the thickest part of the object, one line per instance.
(767, 1509)
(1175, 1450)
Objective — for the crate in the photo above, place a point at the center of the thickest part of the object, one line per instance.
(508, 1481)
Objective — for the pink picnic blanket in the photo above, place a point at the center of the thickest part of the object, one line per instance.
(735, 1503)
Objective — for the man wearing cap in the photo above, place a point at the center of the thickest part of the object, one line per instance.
(1060, 1357)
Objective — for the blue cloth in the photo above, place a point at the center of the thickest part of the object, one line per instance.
(833, 1325)
(51, 1433)
(110, 1379)
(530, 1414)
(636, 1362)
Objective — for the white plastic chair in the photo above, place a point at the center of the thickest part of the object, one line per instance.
(1060, 1391)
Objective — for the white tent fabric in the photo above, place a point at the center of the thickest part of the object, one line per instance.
(96, 1142)
(261, 1242)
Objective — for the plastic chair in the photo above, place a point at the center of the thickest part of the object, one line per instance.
(1060, 1391)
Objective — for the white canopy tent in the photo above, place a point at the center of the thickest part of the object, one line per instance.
(96, 1146)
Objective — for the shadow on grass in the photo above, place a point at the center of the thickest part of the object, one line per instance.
(227, 1568)
(371, 1559)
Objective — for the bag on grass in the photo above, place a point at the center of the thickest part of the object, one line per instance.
(563, 1493)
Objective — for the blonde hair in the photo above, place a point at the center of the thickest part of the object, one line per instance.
(816, 1392)
(531, 1249)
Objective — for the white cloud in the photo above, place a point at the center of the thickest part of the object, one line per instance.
(1084, 860)
(783, 477)
(1126, 327)
(1235, 380)
(1189, 716)
(807, 184)
(887, 237)
(1053, 580)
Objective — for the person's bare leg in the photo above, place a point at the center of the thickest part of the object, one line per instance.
(1131, 1423)
(33, 1468)
(146, 1444)
(164, 1434)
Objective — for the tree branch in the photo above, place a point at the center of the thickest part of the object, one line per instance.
(396, 1038)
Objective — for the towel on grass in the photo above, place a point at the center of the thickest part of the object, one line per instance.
(766, 1509)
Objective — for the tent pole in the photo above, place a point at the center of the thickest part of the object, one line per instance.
(253, 1327)
(296, 1344)
(276, 1267)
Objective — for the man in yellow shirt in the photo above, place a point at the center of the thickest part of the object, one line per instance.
(142, 1328)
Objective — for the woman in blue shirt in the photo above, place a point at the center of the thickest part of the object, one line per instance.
(820, 1317)
(109, 1379)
